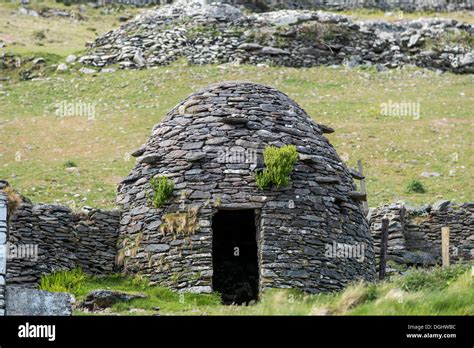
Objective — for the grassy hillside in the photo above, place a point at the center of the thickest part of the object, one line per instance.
(26, 34)
(79, 161)
(439, 291)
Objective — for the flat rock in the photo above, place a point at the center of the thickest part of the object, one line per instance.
(33, 302)
(100, 299)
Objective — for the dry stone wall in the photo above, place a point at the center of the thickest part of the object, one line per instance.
(66, 240)
(47, 238)
(415, 233)
(405, 5)
(265, 5)
(216, 34)
(3, 251)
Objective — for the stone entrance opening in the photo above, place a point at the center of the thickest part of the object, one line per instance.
(235, 255)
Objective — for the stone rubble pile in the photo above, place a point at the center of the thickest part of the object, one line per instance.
(51, 13)
(219, 33)
(101, 298)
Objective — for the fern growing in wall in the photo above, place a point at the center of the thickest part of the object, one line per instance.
(162, 190)
(279, 163)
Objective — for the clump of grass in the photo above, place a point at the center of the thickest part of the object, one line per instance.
(279, 164)
(39, 35)
(437, 278)
(162, 189)
(140, 281)
(70, 164)
(63, 281)
(322, 32)
(450, 38)
(13, 200)
(356, 295)
(203, 31)
(415, 186)
(181, 223)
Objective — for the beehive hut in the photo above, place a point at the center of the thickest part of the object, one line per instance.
(219, 231)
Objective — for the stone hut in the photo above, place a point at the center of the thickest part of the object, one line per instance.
(219, 231)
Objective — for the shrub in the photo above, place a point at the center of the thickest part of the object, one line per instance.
(279, 163)
(63, 281)
(39, 35)
(415, 186)
(162, 189)
(437, 278)
(70, 164)
(140, 281)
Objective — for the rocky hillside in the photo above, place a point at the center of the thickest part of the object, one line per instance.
(208, 34)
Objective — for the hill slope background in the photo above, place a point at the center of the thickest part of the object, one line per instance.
(79, 160)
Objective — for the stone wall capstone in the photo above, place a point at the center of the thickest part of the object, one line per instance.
(48, 238)
(415, 233)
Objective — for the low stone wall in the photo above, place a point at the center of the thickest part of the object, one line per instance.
(220, 34)
(405, 5)
(65, 240)
(415, 233)
(47, 238)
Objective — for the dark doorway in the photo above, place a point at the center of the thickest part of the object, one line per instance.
(234, 256)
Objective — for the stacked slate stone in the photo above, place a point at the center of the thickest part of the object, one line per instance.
(211, 34)
(395, 213)
(196, 145)
(53, 238)
(3, 247)
(415, 232)
(425, 227)
(97, 233)
(266, 5)
(404, 5)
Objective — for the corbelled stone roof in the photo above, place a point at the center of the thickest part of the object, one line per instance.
(235, 116)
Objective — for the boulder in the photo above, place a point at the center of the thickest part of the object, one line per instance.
(33, 302)
(100, 299)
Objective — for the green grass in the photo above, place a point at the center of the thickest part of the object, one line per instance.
(63, 281)
(439, 291)
(396, 15)
(394, 150)
(35, 143)
(26, 34)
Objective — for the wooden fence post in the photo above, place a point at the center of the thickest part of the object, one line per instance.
(383, 249)
(445, 246)
(365, 204)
